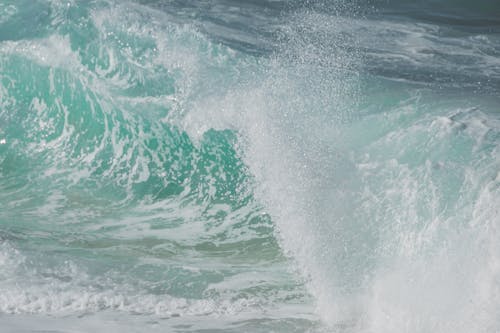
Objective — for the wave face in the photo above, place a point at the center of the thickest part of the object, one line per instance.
(249, 166)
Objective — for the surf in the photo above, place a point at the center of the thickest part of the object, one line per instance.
(270, 165)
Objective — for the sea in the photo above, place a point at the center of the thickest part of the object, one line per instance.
(250, 166)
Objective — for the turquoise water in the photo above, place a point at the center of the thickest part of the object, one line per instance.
(249, 166)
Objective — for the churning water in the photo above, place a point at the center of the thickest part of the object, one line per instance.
(249, 166)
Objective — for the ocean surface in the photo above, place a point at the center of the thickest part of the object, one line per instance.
(250, 166)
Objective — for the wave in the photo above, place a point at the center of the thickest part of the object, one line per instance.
(152, 166)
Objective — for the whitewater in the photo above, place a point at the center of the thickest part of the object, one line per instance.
(250, 166)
